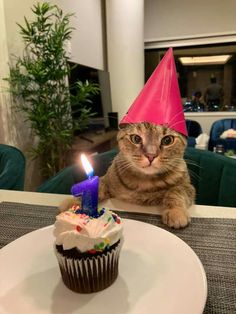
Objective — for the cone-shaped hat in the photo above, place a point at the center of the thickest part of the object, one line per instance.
(159, 102)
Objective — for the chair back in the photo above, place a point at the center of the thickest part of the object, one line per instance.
(62, 182)
(217, 128)
(213, 176)
(12, 168)
(194, 128)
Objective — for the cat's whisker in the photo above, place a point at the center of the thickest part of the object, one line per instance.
(193, 163)
(176, 160)
(125, 166)
(121, 170)
(164, 160)
(174, 165)
(193, 174)
(173, 124)
(125, 163)
(188, 162)
(136, 159)
(165, 168)
(176, 115)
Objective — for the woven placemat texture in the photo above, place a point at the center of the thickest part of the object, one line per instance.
(213, 240)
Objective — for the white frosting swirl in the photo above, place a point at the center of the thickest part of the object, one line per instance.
(87, 233)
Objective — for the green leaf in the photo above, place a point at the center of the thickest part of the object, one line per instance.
(38, 83)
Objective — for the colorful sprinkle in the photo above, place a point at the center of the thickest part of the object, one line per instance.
(92, 251)
(116, 218)
(101, 211)
(78, 228)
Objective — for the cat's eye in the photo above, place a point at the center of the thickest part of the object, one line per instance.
(136, 139)
(167, 140)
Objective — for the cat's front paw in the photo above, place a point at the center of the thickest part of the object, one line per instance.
(175, 218)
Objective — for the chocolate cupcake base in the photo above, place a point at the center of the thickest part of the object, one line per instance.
(89, 274)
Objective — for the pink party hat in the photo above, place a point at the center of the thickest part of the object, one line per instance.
(159, 102)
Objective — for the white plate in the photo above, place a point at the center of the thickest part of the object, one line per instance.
(159, 273)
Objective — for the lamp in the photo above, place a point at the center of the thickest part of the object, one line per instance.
(205, 60)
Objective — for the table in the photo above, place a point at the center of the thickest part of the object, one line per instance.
(211, 234)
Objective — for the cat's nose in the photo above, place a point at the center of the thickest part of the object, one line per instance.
(150, 157)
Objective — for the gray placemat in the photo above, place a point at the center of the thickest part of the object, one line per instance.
(213, 240)
(17, 219)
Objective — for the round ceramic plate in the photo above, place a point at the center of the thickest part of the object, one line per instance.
(159, 273)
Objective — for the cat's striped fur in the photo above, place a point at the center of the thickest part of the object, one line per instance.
(152, 172)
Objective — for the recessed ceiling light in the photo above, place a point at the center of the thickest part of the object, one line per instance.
(205, 60)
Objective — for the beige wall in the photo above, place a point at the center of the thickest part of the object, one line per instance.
(14, 13)
(166, 21)
(3, 73)
(125, 52)
(10, 43)
(87, 41)
(86, 48)
(13, 129)
(86, 45)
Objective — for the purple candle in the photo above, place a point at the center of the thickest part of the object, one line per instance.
(87, 189)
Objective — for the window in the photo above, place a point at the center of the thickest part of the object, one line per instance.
(198, 77)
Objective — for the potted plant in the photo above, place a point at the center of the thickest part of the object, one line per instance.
(39, 83)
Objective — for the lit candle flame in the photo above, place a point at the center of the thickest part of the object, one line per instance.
(87, 166)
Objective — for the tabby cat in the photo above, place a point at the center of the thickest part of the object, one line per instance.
(150, 170)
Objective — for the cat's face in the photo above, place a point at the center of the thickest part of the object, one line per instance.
(151, 148)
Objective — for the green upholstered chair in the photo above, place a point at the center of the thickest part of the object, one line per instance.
(12, 168)
(217, 128)
(213, 175)
(194, 129)
(62, 182)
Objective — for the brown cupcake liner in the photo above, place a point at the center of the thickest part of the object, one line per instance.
(90, 274)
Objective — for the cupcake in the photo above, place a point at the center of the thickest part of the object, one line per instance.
(88, 249)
